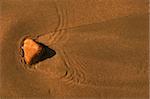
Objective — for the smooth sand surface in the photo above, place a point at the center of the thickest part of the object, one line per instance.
(101, 48)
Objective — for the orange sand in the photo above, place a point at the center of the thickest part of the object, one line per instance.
(101, 48)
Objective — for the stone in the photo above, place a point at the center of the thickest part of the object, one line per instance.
(32, 49)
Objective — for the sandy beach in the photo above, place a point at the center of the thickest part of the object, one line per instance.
(101, 47)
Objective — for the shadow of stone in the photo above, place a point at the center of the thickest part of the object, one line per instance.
(46, 53)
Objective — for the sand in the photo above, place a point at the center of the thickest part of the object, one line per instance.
(101, 48)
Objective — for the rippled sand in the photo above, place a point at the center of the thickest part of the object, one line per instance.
(101, 48)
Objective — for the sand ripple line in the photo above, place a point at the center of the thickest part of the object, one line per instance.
(58, 34)
(74, 74)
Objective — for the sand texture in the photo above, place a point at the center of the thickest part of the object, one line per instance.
(101, 48)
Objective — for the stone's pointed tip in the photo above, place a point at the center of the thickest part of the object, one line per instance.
(31, 50)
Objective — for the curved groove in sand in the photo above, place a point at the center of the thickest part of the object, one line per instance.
(61, 29)
(62, 23)
(74, 74)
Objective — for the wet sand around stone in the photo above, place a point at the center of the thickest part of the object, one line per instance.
(101, 48)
